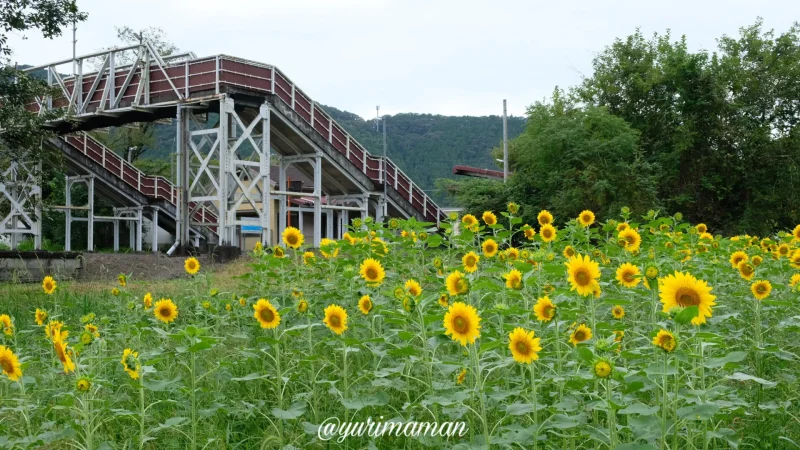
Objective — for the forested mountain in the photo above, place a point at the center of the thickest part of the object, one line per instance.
(427, 146)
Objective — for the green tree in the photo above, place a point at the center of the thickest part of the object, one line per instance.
(719, 128)
(568, 159)
(21, 131)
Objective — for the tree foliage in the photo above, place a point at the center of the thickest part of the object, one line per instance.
(720, 128)
(713, 135)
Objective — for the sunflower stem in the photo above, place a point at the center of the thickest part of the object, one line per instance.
(479, 392)
(535, 407)
(194, 400)
(664, 404)
(141, 411)
(612, 417)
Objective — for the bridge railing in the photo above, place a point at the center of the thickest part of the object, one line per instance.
(151, 186)
(152, 81)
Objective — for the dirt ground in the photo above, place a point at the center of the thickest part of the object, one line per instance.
(101, 267)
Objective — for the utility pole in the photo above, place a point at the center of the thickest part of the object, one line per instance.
(505, 143)
(385, 180)
(74, 47)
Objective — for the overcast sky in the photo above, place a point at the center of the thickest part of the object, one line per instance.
(452, 57)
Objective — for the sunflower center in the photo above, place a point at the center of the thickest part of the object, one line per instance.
(687, 297)
(371, 273)
(761, 289)
(582, 277)
(546, 234)
(291, 239)
(470, 260)
(549, 311)
(628, 277)
(630, 239)
(48, 285)
(335, 321)
(267, 315)
(8, 367)
(164, 312)
(570, 252)
(580, 335)
(586, 218)
(461, 325)
(522, 347)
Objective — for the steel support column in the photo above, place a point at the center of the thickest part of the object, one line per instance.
(317, 200)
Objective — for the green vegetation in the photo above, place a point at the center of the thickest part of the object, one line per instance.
(575, 343)
(718, 134)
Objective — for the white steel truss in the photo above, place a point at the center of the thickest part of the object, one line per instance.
(224, 168)
(20, 201)
(104, 80)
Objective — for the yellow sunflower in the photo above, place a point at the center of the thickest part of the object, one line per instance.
(83, 384)
(796, 233)
(544, 217)
(462, 323)
(365, 304)
(548, 233)
(701, 228)
(308, 257)
(568, 252)
(266, 314)
(93, 329)
(191, 265)
(795, 280)
(122, 279)
(630, 238)
(292, 237)
(622, 226)
(130, 362)
(783, 250)
(544, 309)
(63, 352)
(336, 318)
(49, 285)
(512, 253)
(469, 220)
(628, 275)
(529, 231)
(586, 218)
(461, 376)
(372, 271)
(302, 306)
(524, 347)
(329, 248)
(470, 262)
(148, 300)
(583, 274)
(681, 290)
(413, 288)
(746, 270)
(489, 248)
(513, 208)
(165, 310)
(457, 284)
(10, 364)
(580, 334)
(618, 312)
(444, 300)
(738, 257)
(41, 316)
(757, 260)
(795, 259)
(602, 368)
(513, 279)
(489, 218)
(8, 327)
(761, 289)
(52, 329)
(665, 340)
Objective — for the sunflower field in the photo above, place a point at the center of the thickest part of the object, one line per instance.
(636, 332)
